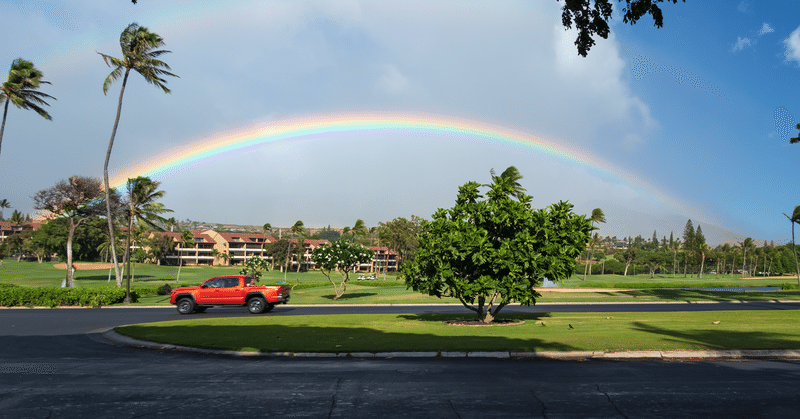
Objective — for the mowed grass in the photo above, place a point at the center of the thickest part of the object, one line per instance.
(314, 288)
(736, 330)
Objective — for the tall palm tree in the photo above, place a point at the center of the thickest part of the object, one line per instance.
(746, 245)
(597, 217)
(139, 54)
(795, 218)
(186, 239)
(142, 209)
(4, 204)
(20, 89)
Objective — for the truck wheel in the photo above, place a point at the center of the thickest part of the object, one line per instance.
(185, 305)
(257, 305)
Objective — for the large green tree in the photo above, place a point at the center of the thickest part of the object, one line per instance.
(141, 210)
(140, 54)
(488, 251)
(590, 17)
(21, 89)
(400, 235)
(76, 199)
(342, 257)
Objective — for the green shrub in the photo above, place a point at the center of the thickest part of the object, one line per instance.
(16, 296)
(789, 286)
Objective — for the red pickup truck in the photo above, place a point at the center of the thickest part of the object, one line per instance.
(235, 290)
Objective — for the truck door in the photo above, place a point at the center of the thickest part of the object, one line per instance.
(232, 292)
(209, 292)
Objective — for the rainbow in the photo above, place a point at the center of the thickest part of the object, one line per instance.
(205, 150)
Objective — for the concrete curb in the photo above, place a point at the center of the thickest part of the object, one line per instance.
(117, 339)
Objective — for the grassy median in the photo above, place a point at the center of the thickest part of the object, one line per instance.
(425, 332)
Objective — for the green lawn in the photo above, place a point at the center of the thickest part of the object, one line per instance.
(426, 332)
(314, 288)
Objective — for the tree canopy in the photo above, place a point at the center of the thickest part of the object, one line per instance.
(590, 17)
(488, 251)
(343, 257)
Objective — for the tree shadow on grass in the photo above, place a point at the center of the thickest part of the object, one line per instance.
(683, 295)
(724, 339)
(439, 318)
(351, 295)
(323, 338)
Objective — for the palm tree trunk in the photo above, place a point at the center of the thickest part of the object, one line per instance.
(794, 249)
(3, 124)
(117, 272)
(70, 234)
(127, 261)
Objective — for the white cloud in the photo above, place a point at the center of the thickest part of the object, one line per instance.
(741, 44)
(793, 46)
(765, 29)
(744, 6)
(392, 81)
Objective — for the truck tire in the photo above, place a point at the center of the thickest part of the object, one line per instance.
(256, 305)
(269, 307)
(185, 305)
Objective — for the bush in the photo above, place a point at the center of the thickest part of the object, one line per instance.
(16, 296)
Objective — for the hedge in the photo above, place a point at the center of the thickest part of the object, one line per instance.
(15, 296)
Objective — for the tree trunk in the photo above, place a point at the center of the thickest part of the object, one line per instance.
(110, 216)
(70, 234)
(702, 263)
(127, 261)
(3, 124)
(626, 269)
(794, 250)
(744, 262)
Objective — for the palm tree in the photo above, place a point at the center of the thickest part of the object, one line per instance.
(795, 218)
(138, 54)
(4, 204)
(20, 89)
(676, 246)
(360, 229)
(511, 174)
(186, 239)
(141, 208)
(746, 245)
(597, 217)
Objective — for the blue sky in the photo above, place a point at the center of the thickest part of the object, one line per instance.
(698, 109)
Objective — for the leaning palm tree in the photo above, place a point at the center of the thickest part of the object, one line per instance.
(597, 217)
(142, 209)
(20, 89)
(795, 218)
(185, 240)
(139, 54)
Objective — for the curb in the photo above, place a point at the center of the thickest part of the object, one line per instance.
(120, 340)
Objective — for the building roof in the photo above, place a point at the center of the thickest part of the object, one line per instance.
(246, 238)
(7, 225)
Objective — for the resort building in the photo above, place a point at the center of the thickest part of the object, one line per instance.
(212, 248)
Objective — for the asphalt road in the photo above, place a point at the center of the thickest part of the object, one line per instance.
(54, 363)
